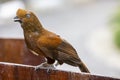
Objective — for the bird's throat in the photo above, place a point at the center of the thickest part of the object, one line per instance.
(30, 27)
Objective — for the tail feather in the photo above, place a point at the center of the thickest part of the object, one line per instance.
(83, 68)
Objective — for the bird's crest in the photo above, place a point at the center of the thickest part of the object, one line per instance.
(21, 12)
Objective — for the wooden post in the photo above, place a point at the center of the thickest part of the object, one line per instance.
(10, 71)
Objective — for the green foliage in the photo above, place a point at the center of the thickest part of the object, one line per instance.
(116, 19)
(117, 38)
(116, 27)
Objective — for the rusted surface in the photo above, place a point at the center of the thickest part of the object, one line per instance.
(15, 51)
(9, 71)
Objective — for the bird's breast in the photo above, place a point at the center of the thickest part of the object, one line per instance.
(32, 44)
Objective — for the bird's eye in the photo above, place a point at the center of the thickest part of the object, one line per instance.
(28, 15)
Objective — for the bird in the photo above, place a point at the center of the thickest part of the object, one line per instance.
(46, 43)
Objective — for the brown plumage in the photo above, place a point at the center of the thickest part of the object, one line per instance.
(46, 43)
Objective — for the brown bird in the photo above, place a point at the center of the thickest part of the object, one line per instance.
(46, 43)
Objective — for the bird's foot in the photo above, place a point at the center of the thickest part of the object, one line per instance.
(45, 65)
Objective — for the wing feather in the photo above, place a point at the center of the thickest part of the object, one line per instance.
(67, 48)
(67, 54)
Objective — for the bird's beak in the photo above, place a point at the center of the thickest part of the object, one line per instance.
(17, 19)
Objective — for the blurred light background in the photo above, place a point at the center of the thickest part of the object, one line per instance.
(86, 24)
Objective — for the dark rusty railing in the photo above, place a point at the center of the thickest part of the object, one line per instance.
(17, 63)
(15, 51)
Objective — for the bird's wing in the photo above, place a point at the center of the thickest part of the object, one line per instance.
(67, 48)
(67, 54)
(49, 40)
(48, 44)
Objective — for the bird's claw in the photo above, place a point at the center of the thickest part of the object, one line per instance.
(48, 70)
(38, 67)
(45, 66)
(51, 67)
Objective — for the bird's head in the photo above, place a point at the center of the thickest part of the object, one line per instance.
(27, 19)
(25, 16)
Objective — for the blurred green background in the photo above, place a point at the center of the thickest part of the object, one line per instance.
(115, 22)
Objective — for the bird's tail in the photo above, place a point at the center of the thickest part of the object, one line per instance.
(83, 68)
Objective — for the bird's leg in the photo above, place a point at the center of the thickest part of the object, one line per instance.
(45, 65)
(57, 64)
